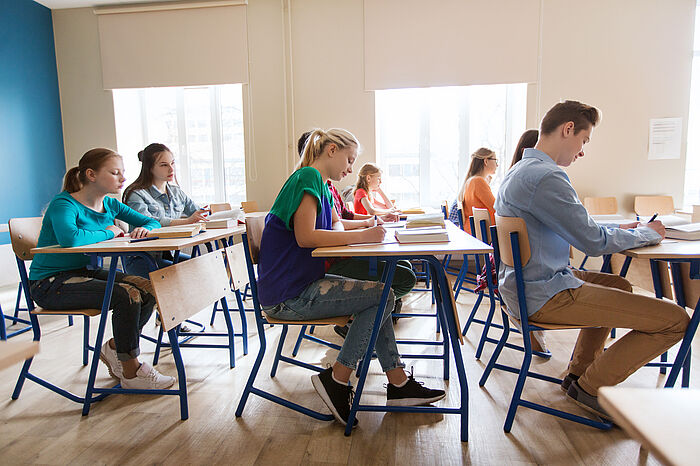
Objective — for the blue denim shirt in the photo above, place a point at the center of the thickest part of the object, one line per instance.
(163, 207)
(540, 192)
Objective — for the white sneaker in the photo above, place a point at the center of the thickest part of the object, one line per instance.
(147, 378)
(109, 357)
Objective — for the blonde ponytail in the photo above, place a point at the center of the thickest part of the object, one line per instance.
(319, 139)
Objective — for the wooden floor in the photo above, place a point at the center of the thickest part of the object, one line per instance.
(43, 428)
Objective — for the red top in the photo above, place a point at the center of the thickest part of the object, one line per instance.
(359, 208)
(338, 203)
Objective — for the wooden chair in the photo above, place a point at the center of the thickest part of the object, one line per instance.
(219, 207)
(184, 289)
(250, 207)
(600, 205)
(476, 231)
(251, 242)
(513, 246)
(24, 235)
(645, 206)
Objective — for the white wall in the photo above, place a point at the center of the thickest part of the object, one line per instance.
(630, 58)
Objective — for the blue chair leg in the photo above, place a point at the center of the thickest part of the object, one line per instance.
(613, 333)
(181, 378)
(473, 313)
(520, 384)
(156, 354)
(229, 328)
(497, 351)
(664, 358)
(18, 300)
(685, 380)
(256, 367)
(3, 330)
(86, 339)
(213, 313)
(70, 321)
(487, 326)
(278, 353)
(244, 322)
(302, 332)
(311, 329)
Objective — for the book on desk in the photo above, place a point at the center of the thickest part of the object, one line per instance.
(422, 235)
(425, 220)
(689, 231)
(178, 231)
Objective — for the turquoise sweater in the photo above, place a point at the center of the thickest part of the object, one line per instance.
(69, 223)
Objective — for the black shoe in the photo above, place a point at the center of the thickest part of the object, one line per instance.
(342, 331)
(588, 402)
(413, 393)
(566, 383)
(397, 310)
(338, 397)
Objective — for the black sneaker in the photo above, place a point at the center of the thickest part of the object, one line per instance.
(342, 331)
(413, 393)
(338, 397)
(588, 402)
(566, 383)
(397, 310)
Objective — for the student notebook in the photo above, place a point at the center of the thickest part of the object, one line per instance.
(422, 235)
(689, 231)
(425, 220)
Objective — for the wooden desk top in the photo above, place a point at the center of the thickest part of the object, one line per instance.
(165, 244)
(666, 420)
(460, 243)
(669, 249)
(13, 352)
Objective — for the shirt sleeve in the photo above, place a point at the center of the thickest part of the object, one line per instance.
(137, 203)
(556, 204)
(133, 217)
(64, 219)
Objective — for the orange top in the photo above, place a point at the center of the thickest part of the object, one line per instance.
(478, 194)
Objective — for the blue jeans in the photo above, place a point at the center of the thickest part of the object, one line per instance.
(135, 265)
(334, 296)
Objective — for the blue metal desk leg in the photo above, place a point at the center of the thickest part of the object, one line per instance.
(684, 350)
(387, 277)
(456, 350)
(181, 378)
(100, 335)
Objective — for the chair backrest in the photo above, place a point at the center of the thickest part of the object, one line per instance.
(236, 265)
(185, 288)
(505, 226)
(691, 287)
(479, 216)
(649, 205)
(254, 225)
(639, 273)
(445, 207)
(24, 234)
(219, 207)
(695, 216)
(250, 206)
(600, 205)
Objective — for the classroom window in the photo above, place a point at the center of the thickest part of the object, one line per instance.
(692, 160)
(203, 126)
(429, 134)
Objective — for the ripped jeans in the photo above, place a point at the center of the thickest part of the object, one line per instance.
(132, 301)
(334, 296)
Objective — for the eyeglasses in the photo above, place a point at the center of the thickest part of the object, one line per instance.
(492, 158)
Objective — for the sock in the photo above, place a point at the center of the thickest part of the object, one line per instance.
(338, 381)
(574, 377)
(401, 384)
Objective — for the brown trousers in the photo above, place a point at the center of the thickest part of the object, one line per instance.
(605, 301)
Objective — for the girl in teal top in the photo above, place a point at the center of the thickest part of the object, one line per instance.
(83, 214)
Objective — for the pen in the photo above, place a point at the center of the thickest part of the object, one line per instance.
(653, 217)
(375, 220)
(147, 238)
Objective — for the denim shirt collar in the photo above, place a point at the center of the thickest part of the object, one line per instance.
(532, 153)
(156, 193)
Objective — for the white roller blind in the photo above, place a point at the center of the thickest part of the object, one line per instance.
(197, 44)
(421, 43)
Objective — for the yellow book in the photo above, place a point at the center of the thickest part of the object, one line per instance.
(178, 231)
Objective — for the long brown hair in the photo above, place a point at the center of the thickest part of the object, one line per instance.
(366, 170)
(148, 158)
(527, 140)
(75, 178)
(476, 166)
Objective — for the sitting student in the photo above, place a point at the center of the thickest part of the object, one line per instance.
(527, 139)
(84, 214)
(293, 285)
(404, 277)
(540, 192)
(475, 191)
(368, 187)
(153, 195)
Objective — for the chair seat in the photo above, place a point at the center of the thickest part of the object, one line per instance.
(66, 312)
(340, 320)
